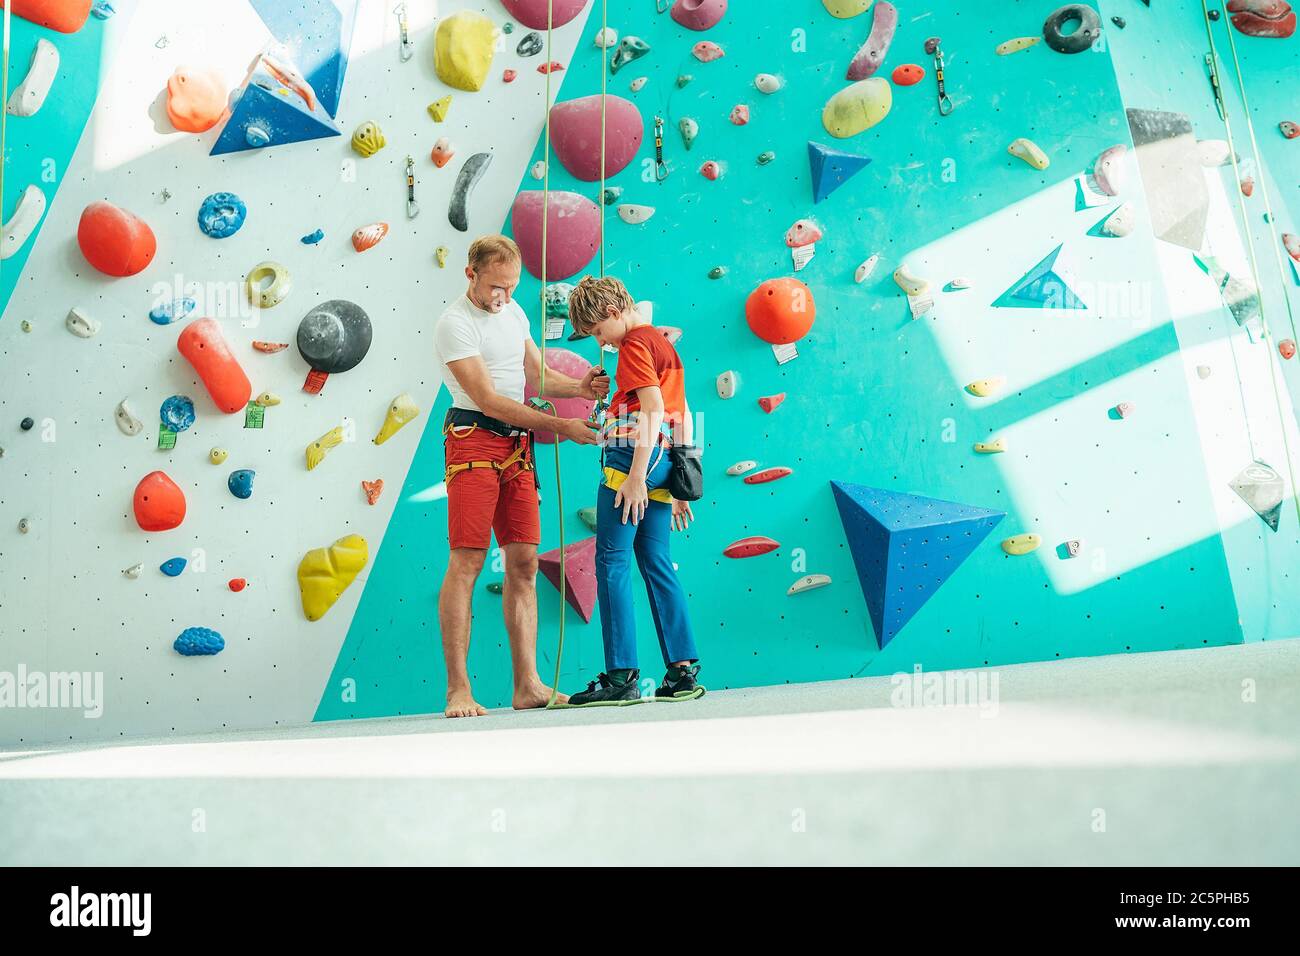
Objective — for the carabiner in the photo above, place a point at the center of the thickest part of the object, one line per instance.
(932, 47)
(661, 169)
(405, 49)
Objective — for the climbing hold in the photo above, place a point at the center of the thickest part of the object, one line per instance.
(1286, 348)
(1082, 38)
(573, 225)
(1203, 371)
(325, 573)
(313, 238)
(857, 108)
(1021, 543)
(176, 413)
(1108, 170)
(256, 135)
(555, 66)
(322, 446)
(372, 489)
(1291, 243)
(267, 399)
(240, 483)
(217, 455)
(438, 109)
(717, 272)
(711, 170)
(401, 410)
(270, 347)
(768, 474)
(29, 95)
(1273, 19)
(463, 47)
(159, 503)
(508, 76)
(1262, 488)
(535, 14)
(199, 642)
(1070, 549)
(780, 311)
(173, 310)
(196, 99)
(958, 284)
(442, 152)
(64, 16)
(27, 424)
(24, 525)
(127, 423)
(809, 582)
(441, 254)
(804, 232)
(1289, 129)
(588, 517)
(631, 48)
(706, 51)
(221, 215)
(579, 568)
(538, 170)
(205, 347)
(636, 85)
(272, 294)
(1248, 186)
(698, 15)
(634, 215)
(80, 324)
(102, 10)
(740, 467)
(173, 567)
(1119, 22)
(1007, 47)
(985, 387)
(114, 241)
(912, 285)
(572, 366)
(728, 384)
(237, 584)
(366, 236)
(1121, 222)
(494, 587)
(368, 139)
(466, 180)
(530, 44)
(995, 447)
(1042, 287)
(576, 135)
(909, 74)
(844, 9)
(25, 325)
(766, 157)
(740, 114)
(769, 402)
(689, 130)
(831, 168)
(606, 38)
(1123, 410)
(19, 227)
(750, 547)
(133, 572)
(767, 83)
(863, 272)
(872, 53)
(1030, 152)
(333, 337)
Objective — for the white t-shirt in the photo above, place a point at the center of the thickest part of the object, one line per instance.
(499, 337)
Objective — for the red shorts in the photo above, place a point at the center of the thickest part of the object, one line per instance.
(481, 500)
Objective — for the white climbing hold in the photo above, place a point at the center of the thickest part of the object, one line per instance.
(728, 384)
(1021, 544)
(1030, 152)
(959, 283)
(80, 324)
(1125, 409)
(639, 82)
(126, 421)
(740, 467)
(1108, 170)
(539, 169)
(863, 272)
(24, 525)
(606, 38)
(912, 285)
(1121, 222)
(635, 215)
(994, 447)
(1015, 45)
(767, 83)
(23, 222)
(1073, 547)
(29, 95)
(1203, 371)
(689, 130)
(133, 571)
(809, 582)
(985, 387)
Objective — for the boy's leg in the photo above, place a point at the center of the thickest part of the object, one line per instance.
(614, 582)
(664, 589)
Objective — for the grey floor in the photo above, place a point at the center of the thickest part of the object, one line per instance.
(1142, 759)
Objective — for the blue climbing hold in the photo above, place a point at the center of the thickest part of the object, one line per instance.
(177, 412)
(222, 215)
(314, 238)
(199, 642)
(102, 10)
(831, 168)
(256, 135)
(905, 547)
(172, 567)
(173, 311)
(1042, 287)
(240, 483)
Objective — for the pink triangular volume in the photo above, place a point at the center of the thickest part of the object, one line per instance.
(579, 572)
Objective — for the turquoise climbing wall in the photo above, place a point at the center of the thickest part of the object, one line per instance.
(874, 397)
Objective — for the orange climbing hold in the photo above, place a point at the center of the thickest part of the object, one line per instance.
(909, 74)
(780, 311)
(159, 503)
(196, 99)
(769, 402)
(237, 584)
(373, 489)
(65, 16)
(114, 241)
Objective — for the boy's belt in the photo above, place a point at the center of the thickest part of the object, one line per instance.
(463, 417)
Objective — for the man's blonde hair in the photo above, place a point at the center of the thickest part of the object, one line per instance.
(591, 301)
(486, 250)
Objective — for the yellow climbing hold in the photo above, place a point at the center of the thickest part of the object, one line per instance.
(1021, 543)
(1029, 151)
(368, 139)
(441, 254)
(846, 8)
(985, 387)
(1016, 45)
(994, 447)
(267, 399)
(325, 573)
(462, 50)
(438, 109)
(317, 450)
(217, 455)
(402, 410)
(858, 107)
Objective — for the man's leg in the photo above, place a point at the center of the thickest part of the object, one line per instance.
(454, 614)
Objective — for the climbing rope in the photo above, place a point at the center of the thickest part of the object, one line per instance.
(1250, 244)
(4, 99)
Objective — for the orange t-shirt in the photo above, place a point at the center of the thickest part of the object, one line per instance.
(645, 357)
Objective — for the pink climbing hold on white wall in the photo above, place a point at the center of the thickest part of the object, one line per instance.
(575, 135)
(573, 232)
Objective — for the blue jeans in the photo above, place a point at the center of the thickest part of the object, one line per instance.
(615, 544)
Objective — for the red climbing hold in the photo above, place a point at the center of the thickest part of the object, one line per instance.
(780, 311)
(768, 474)
(114, 241)
(750, 547)
(508, 76)
(580, 574)
(769, 402)
(1287, 348)
(909, 74)
(159, 503)
(205, 347)
(64, 16)
(1263, 18)
(237, 584)
(553, 67)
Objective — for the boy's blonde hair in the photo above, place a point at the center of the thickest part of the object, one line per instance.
(591, 301)
(486, 250)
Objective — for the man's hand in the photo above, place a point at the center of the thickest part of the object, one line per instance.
(578, 430)
(682, 516)
(595, 384)
(632, 496)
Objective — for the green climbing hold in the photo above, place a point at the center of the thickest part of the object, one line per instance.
(507, 28)
(766, 157)
(689, 130)
(588, 516)
(611, 194)
(495, 587)
(684, 79)
(717, 272)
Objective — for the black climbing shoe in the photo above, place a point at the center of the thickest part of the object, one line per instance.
(610, 693)
(680, 684)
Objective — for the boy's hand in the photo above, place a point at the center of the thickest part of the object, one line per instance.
(595, 384)
(632, 496)
(578, 430)
(682, 516)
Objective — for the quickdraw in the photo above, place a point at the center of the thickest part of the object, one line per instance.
(405, 49)
(412, 208)
(661, 170)
(932, 48)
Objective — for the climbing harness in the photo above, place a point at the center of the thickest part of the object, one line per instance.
(412, 208)
(405, 49)
(661, 170)
(932, 48)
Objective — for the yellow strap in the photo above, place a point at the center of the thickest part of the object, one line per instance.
(614, 480)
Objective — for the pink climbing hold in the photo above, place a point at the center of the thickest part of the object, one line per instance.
(532, 13)
(769, 402)
(740, 114)
(1273, 19)
(573, 232)
(1248, 186)
(575, 134)
(1286, 348)
(555, 66)
(699, 15)
(1291, 243)
(580, 574)
(575, 366)
(1289, 129)
(750, 547)
(508, 76)
(711, 170)
(768, 474)
(671, 332)
(872, 53)
(706, 51)
(802, 233)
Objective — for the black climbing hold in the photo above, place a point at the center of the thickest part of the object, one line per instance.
(1081, 39)
(334, 336)
(931, 45)
(1119, 22)
(26, 424)
(470, 174)
(1214, 15)
(530, 45)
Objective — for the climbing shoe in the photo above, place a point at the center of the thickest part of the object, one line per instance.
(680, 684)
(611, 692)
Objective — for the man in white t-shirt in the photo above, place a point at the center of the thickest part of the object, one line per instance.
(485, 352)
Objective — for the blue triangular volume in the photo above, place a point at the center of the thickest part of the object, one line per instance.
(905, 547)
(317, 35)
(831, 168)
(1041, 288)
(280, 114)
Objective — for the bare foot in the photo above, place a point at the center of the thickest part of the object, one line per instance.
(461, 703)
(535, 694)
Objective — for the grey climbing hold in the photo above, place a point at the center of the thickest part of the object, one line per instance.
(470, 174)
(530, 44)
(689, 130)
(133, 571)
(588, 517)
(631, 48)
(24, 525)
(80, 324)
(27, 424)
(29, 95)
(1119, 22)
(1081, 39)
(767, 83)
